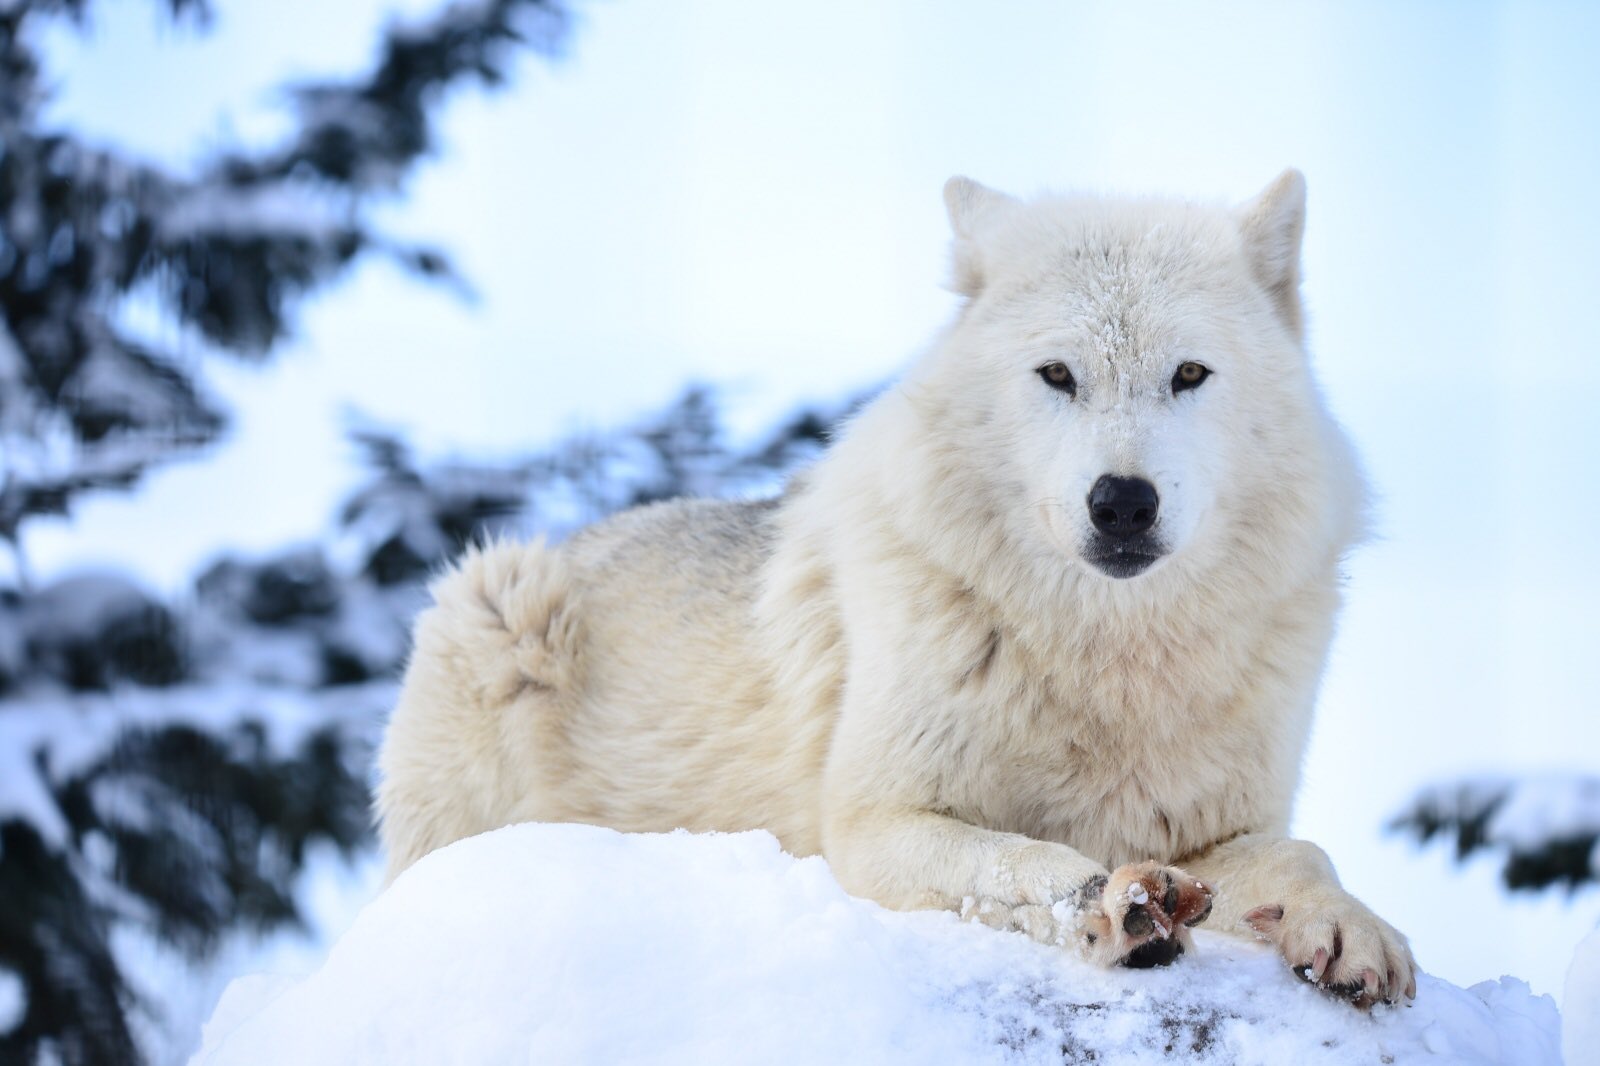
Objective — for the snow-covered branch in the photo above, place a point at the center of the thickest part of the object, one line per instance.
(1545, 828)
(225, 251)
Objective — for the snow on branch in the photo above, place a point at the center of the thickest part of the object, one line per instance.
(365, 132)
(1545, 828)
(226, 251)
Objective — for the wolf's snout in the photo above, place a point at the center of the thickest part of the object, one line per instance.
(1123, 506)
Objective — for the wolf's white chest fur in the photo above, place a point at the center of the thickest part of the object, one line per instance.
(1121, 759)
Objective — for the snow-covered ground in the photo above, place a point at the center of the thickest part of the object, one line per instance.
(561, 943)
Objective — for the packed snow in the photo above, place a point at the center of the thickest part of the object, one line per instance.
(562, 943)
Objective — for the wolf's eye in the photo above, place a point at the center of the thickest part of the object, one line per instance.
(1057, 376)
(1189, 376)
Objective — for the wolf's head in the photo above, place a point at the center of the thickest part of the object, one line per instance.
(1130, 377)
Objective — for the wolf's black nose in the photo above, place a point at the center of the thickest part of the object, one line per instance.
(1123, 506)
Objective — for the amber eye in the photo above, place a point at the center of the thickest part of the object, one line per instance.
(1188, 376)
(1057, 376)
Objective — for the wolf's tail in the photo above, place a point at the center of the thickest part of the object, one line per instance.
(495, 661)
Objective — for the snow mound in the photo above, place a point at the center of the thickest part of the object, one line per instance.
(562, 943)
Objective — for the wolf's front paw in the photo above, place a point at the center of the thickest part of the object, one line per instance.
(1339, 945)
(1144, 914)
(1137, 916)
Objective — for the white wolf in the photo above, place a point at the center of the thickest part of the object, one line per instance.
(1043, 626)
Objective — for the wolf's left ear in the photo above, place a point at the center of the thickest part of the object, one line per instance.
(973, 208)
(1272, 225)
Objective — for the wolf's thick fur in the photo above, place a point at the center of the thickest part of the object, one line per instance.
(917, 662)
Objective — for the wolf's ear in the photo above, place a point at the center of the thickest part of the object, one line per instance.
(1272, 225)
(973, 208)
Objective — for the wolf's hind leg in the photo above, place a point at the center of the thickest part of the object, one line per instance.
(480, 717)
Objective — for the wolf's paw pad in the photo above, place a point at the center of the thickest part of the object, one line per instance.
(1341, 947)
(1138, 916)
(1143, 914)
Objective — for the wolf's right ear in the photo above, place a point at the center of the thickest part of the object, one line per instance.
(1272, 225)
(974, 209)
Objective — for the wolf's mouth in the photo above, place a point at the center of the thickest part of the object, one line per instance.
(1124, 558)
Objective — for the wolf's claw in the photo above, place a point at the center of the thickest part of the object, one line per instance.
(1341, 947)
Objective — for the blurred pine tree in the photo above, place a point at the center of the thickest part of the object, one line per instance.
(1543, 829)
(186, 829)
(225, 253)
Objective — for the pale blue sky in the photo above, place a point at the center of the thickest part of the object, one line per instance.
(749, 194)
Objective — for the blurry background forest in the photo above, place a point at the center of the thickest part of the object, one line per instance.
(298, 298)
